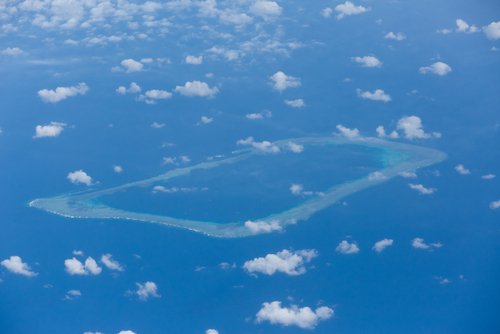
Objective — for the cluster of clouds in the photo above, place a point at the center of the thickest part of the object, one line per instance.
(74, 266)
(492, 30)
(344, 9)
(302, 317)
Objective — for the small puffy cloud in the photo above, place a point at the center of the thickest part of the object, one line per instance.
(73, 266)
(194, 60)
(15, 265)
(62, 93)
(297, 103)
(211, 331)
(326, 12)
(377, 176)
(77, 252)
(260, 226)
(176, 160)
(281, 81)
(130, 65)
(488, 176)
(463, 26)
(12, 51)
(133, 88)
(53, 129)
(294, 147)
(111, 264)
(296, 189)
(117, 169)
(408, 175)
(72, 294)
(146, 290)
(494, 205)
(127, 331)
(303, 317)
(419, 243)
(206, 120)
(287, 262)
(260, 115)
(413, 129)
(376, 95)
(346, 247)
(348, 133)
(348, 8)
(157, 94)
(382, 134)
(230, 55)
(380, 245)
(492, 30)
(395, 36)
(438, 68)
(265, 8)
(80, 177)
(263, 146)
(157, 125)
(422, 189)
(197, 88)
(367, 61)
(462, 170)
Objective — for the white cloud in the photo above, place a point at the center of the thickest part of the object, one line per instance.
(132, 89)
(197, 88)
(92, 267)
(488, 176)
(419, 243)
(297, 103)
(176, 160)
(128, 331)
(294, 147)
(494, 205)
(79, 176)
(260, 226)
(194, 60)
(367, 61)
(492, 30)
(296, 189)
(413, 129)
(421, 189)
(376, 95)
(326, 12)
(395, 36)
(117, 169)
(53, 129)
(348, 8)
(462, 170)
(380, 245)
(230, 55)
(382, 134)
(74, 267)
(206, 120)
(282, 81)
(15, 265)
(408, 175)
(348, 133)
(157, 94)
(62, 93)
(287, 262)
(77, 252)
(147, 290)
(156, 125)
(264, 146)
(265, 8)
(377, 176)
(463, 26)
(438, 68)
(260, 115)
(303, 317)
(12, 51)
(346, 247)
(72, 294)
(130, 65)
(211, 331)
(111, 264)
